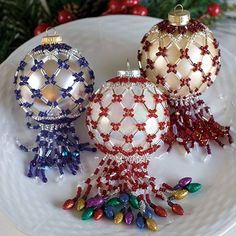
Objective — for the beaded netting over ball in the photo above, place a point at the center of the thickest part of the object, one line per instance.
(182, 57)
(126, 119)
(53, 83)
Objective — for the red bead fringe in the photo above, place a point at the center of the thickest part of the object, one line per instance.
(127, 176)
(191, 122)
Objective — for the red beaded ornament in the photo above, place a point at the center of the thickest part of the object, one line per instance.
(126, 118)
(182, 57)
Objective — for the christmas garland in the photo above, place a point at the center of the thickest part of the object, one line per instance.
(22, 19)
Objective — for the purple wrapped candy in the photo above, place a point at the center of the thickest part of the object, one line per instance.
(95, 202)
(98, 201)
(129, 217)
(185, 181)
(90, 202)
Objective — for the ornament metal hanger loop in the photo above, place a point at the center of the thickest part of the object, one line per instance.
(128, 64)
(51, 28)
(51, 39)
(128, 72)
(179, 5)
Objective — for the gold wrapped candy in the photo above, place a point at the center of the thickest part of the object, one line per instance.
(180, 194)
(152, 225)
(80, 204)
(118, 218)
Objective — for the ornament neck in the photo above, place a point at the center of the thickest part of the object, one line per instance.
(120, 158)
(187, 99)
(51, 39)
(128, 72)
(179, 16)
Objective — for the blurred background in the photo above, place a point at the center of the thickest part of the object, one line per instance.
(21, 20)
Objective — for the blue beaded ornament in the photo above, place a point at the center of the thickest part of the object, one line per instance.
(53, 83)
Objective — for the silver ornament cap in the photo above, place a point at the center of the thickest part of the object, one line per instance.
(128, 72)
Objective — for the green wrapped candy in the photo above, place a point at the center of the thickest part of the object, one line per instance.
(114, 202)
(134, 202)
(87, 214)
(193, 187)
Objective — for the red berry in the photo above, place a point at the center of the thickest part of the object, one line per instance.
(64, 16)
(131, 3)
(116, 7)
(214, 9)
(41, 28)
(139, 10)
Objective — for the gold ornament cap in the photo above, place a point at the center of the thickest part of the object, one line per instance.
(51, 39)
(178, 16)
(128, 72)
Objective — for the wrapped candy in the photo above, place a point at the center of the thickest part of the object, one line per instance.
(126, 118)
(53, 83)
(182, 57)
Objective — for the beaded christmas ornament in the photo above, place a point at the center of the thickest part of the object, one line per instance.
(53, 83)
(182, 57)
(126, 118)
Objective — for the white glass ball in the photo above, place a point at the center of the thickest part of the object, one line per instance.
(127, 116)
(53, 82)
(180, 60)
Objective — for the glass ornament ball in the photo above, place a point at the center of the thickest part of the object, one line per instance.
(53, 82)
(183, 60)
(128, 116)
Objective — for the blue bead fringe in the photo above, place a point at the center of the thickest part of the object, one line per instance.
(57, 146)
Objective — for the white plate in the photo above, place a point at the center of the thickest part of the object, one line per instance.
(36, 208)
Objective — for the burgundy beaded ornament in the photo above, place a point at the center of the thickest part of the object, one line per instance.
(182, 57)
(126, 118)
